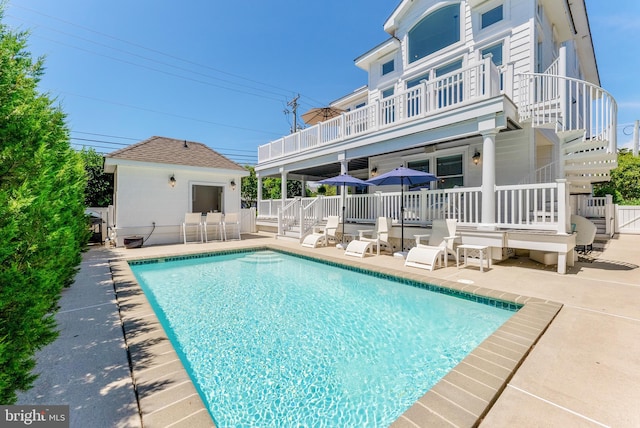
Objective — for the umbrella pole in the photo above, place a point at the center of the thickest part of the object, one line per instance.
(402, 217)
(342, 236)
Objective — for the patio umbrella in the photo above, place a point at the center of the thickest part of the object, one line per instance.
(402, 176)
(344, 180)
(320, 114)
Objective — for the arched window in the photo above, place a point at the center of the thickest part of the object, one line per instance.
(436, 31)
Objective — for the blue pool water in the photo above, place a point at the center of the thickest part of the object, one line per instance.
(271, 339)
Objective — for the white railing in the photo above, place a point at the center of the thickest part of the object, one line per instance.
(469, 84)
(594, 206)
(534, 206)
(568, 104)
(287, 216)
(531, 206)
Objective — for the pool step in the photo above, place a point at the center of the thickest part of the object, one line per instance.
(262, 257)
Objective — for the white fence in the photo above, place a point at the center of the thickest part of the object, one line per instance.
(248, 220)
(627, 219)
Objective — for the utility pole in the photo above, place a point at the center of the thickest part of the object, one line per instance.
(294, 107)
(636, 131)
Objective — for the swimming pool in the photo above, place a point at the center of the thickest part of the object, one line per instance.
(271, 339)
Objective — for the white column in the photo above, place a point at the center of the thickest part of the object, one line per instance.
(259, 189)
(488, 219)
(303, 184)
(283, 186)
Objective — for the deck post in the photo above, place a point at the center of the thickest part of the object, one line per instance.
(283, 186)
(564, 213)
(259, 194)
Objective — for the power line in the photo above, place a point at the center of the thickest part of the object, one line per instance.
(159, 52)
(169, 114)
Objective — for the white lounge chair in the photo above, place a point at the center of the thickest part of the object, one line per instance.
(192, 220)
(358, 248)
(214, 221)
(321, 235)
(232, 221)
(442, 236)
(378, 237)
(424, 257)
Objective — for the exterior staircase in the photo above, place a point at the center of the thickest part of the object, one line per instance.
(585, 161)
(583, 117)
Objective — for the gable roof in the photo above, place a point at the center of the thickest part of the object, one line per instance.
(174, 152)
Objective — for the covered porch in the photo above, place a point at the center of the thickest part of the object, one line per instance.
(532, 216)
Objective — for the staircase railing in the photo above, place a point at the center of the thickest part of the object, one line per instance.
(568, 104)
(310, 215)
(287, 216)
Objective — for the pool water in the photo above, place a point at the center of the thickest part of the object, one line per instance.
(271, 339)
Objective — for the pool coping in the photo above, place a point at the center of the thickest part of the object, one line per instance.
(166, 395)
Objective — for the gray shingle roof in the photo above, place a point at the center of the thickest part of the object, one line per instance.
(174, 152)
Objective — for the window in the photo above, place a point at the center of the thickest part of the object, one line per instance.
(415, 82)
(421, 165)
(449, 171)
(445, 69)
(496, 53)
(206, 198)
(388, 107)
(388, 67)
(436, 31)
(492, 16)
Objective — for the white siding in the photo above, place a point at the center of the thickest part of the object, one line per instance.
(513, 157)
(144, 196)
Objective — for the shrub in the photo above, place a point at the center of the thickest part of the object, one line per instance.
(43, 228)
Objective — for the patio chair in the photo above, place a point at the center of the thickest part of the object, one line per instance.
(585, 233)
(424, 257)
(443, 236)
(380, 236)
(321, 235)
(232, 221)
(214, 222)
(192, 220)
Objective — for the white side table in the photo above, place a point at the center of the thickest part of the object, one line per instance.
(480, 251)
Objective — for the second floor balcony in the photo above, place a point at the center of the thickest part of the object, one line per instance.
(431, 96)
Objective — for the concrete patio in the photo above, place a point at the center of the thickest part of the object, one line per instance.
(584, 370)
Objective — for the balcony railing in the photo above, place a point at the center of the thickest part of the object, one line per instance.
(464, 86)
(568, 104)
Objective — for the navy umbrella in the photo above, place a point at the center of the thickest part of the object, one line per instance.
(344, 180)
(402, 176)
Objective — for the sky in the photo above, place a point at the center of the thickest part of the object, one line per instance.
(224, 72)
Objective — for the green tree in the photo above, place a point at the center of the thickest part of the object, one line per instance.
(625, 180)
(99, 192)
(249, 186)
(42, 224)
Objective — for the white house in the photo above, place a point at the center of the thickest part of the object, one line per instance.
(158, 180)
(498, 98)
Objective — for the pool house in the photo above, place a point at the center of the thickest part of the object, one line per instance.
(500, 99)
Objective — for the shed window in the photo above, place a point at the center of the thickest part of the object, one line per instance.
(436, 31)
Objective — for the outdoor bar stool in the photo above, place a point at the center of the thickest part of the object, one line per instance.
(192, 220)
(214, 221)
